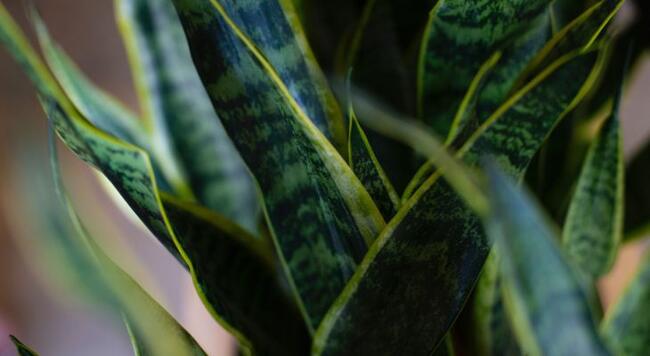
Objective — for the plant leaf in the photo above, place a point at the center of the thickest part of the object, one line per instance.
(626, 328)
(594, 224)
(321, 217)
(460, 37)
(544, 299)
(434, 248)
(637, 194)
(22, 349)
(364, 164)
(180, 112)
(128, 168)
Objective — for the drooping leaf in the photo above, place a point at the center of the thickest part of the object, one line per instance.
(180, 113)
(129, 170)
(460, 36)
(321, 217)
(594, 224)
(365, 165)
(428, 258)
(22, 349)
(547, 305)
(626, 328)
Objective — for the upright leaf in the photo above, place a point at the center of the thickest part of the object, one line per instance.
(460, 36)
(176, 105)
(594, 224)
(128, 168)
(626, 327)
(321, 217)
(637, 194)
(365, 165)
(545, 301)
(428, 258)
(22, 349)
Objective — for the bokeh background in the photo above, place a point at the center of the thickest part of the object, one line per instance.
(51, 321)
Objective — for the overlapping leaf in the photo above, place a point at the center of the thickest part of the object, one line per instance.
(547, 305)
(626, 327)
(427, 260)
(460, 36)
(129, 169)
(322, 218)
(594, 224)
(176, 106)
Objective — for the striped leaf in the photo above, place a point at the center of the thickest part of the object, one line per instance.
(129, 170)
(594, 224)
(22, 349)
(365, 165)
(545, 301)
(178, 110)
(626, 327)
(460, 36)
(321, 217)
(434, 248)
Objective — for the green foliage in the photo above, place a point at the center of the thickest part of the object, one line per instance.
(292, 227)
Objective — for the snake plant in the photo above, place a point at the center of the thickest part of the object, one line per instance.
(353, 177)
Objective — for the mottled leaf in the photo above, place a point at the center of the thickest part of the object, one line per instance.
(180, 113)
(460, 36)
(22, 349)
(626, 328)
(594, 223)
(428, 258)
(321, 217)
(364, 164)
(128, 168)
(544, 299)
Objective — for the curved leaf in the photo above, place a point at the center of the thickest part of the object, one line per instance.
(460, 36)
(547, 305)
(321, 217)
(626, 327)
(177, 107)
(594, 224)
(434, 248)
(364, 164)
(129, 170)
(22, 349)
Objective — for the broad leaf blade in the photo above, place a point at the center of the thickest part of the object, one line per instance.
(22, 349)
(365, 165)
(460, 36)
(434, 249)
(594, 224)
(626, 327)
(322, 218)
(177, 106)
(549, 309)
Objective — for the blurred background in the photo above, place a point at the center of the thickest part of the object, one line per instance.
(51, 321)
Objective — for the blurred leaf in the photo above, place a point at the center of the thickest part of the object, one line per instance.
(321, 217)
(565, 11)
(434, 248)
(637, 194)
(180, 113)
(626, 327)
(128, 168)
(364, 164)
(22, 349)
(544, 299)
(460, 36)
(594, 224)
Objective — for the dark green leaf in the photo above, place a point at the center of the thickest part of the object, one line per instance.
(22, 349)
(546, 303)
(637, 194)
(179, 112)
(321, 217)
(460, 36)
(364, 164)
(434, 249)
(626, 327)
(594, 224)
